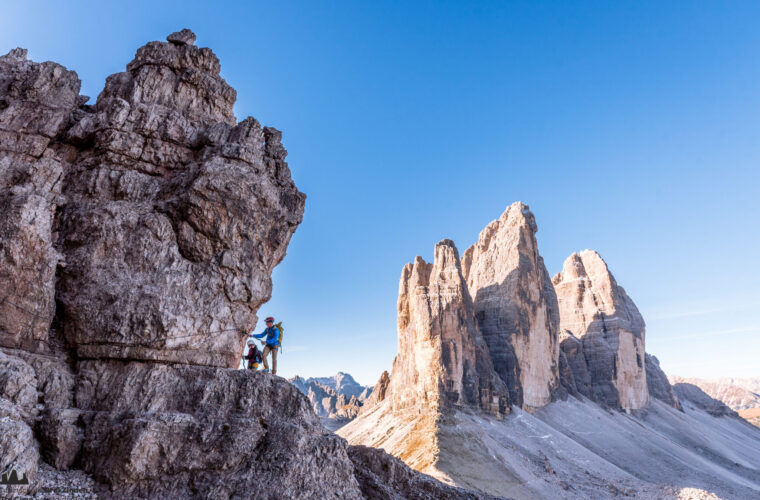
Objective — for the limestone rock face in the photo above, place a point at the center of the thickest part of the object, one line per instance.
(176, 215)
(442, 358)
(36, 103)
(515, 306)
(214, 432)
(604, 331)
(137, 241)
(379, 391)
(344, 383)
(658, 384)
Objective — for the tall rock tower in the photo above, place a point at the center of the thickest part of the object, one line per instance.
(515, 306)
(442, 358)
(602, 333)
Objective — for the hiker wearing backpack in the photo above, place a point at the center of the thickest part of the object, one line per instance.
(254, 356)
(271, 344)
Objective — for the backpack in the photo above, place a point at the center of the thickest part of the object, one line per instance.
(281, 330)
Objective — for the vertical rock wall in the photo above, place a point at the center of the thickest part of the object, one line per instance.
(442, 359)
(604, 332)
(36, 104)
(515, 306)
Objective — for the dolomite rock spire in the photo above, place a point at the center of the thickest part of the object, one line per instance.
(515, 306)
(603, 333)
(442, 358)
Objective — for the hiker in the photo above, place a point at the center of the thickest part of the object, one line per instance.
(254, 355)
(271, 344)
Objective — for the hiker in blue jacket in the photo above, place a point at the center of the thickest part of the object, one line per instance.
(271, 344)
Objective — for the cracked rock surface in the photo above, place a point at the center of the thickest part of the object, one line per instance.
(137, 243)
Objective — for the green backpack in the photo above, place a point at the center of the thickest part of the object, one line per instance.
(281, 330)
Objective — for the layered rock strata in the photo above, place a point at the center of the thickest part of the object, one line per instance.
(442, 358)
(137, 242)
(515, 306)
(602, 333)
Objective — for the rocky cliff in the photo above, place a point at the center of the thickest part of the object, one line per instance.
(603, 333)
(137, 242)
(442, 358)
(496, 311)
(515, 306)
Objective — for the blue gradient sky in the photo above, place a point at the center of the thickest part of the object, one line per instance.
(630, 128)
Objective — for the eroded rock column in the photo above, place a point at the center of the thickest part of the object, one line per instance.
(515, 306)
(603, 331)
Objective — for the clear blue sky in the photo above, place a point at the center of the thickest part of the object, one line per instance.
(632, 128)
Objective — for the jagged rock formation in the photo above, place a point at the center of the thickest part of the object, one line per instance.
(337, 399)
(425, 414)
(658, 385)
(733, 396)
(602, 333)
(442, 358)
(515, 306)
(137, 243)
(442, 363)
(751, 384)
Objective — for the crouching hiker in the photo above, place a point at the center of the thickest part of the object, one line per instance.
(254, 356)
(271, 344)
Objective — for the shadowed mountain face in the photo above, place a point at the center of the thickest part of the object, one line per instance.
(137, 243)
(515, 306)
(602, 333)
(574, 441)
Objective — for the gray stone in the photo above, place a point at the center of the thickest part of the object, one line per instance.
(595, 312)
(184, 37)
(442, 358)
(515, 306)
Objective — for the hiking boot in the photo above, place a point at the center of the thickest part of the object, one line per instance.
(265, 370)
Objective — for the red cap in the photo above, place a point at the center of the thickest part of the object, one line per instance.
(269, 319)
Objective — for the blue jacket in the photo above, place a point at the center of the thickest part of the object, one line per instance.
(273, 336)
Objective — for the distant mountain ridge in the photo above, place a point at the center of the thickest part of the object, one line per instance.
(727, 390)
(336, 400)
